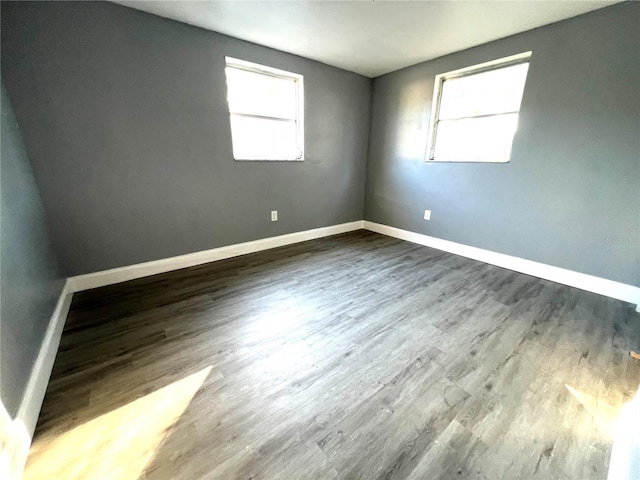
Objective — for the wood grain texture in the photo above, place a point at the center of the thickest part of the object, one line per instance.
(354, 356)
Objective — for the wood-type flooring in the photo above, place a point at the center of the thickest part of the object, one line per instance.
(353, 356)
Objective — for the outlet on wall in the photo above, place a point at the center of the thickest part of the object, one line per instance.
(274, 215)
(427, 214)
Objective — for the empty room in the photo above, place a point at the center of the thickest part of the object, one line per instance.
(320, 239)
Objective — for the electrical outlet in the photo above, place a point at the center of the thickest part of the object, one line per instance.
(274, 215)
(427, 214)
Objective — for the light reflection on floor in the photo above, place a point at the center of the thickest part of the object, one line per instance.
(118, 445)
(625, 454)
(603, 414)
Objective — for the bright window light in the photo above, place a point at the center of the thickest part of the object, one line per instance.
(266, 108)
(475, 111)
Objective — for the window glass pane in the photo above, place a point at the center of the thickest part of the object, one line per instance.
(476, 139)
(263, 139)
(495, 91)
(259, 94)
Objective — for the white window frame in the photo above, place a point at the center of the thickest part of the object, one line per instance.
(299, 119)
(437, 96)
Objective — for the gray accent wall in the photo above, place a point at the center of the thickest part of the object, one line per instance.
(30, 281)
(570, 197)
(125, 119)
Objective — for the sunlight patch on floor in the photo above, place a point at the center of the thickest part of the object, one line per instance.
(603, 414)
(118, 445)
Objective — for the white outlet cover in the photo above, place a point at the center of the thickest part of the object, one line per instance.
(427, 214)
(274, 215)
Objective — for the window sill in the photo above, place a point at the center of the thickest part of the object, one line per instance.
(455, 160)
(269, 159)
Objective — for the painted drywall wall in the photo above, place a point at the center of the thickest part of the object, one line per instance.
(125, 119)
(570, 196)
(30, 280)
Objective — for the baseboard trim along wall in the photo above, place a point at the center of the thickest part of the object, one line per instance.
(14, 446)
(131, 272)
(583, 281)
(590, 283)
(37, 386)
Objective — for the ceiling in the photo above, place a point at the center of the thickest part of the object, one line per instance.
(370, 38)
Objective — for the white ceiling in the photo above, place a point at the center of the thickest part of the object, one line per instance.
(370, 38)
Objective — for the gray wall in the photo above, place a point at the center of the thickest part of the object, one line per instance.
(30, 282)
(125, 119)
(571, 195)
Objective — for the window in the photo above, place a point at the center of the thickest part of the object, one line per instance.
(266, 112)
(475, 111)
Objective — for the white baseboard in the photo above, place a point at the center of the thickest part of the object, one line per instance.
(14, 446)
(131, 272)
(624, 463)
(37, 386)
(602, 286)
(590, 283)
